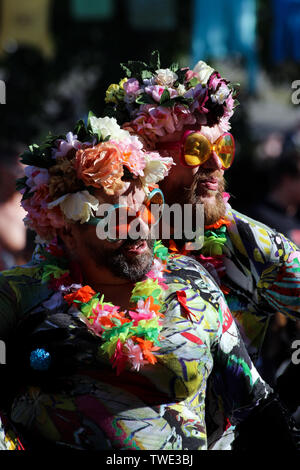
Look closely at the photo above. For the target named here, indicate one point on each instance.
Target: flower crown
(152, 102)
(64, 171)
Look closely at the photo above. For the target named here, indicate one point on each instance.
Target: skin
(95, 256)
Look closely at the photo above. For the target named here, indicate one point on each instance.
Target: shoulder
(21, 289)
(256, 240)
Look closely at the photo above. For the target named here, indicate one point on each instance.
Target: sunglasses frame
(96, 220)
(179, 145)
(184, 138)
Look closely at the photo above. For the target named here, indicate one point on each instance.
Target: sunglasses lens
(225, 150)
(196, 149)
(153, 207)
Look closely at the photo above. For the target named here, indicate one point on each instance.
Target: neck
(115, 289)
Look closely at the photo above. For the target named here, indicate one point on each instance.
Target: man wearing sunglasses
(186, 114)
(110, 339)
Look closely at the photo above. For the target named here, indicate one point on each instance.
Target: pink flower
(132, 86)
(163, 120)
(39, 218)
(64, 146)
(155, 91)
(199, 94)
(226, 197)
(135, 354)
(36, 177)
(157, 269)
(143, 311)
(182, 116)
(132, 155)
(119, 359)
(189, 75)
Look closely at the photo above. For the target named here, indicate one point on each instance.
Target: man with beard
(110, 339)
(186, 114)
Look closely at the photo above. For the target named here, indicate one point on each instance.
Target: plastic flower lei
(63, 172)
(129, 338)
(152, 102)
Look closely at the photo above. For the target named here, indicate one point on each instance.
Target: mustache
(130, 242)
(205, 175)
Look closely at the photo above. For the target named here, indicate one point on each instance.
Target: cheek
(180, 176)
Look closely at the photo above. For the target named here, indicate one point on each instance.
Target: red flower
(84, 294)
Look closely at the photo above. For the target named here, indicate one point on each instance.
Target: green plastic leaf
(144, 98)
(146, 74)
(193, 82)
(155, 60)
(21, 183)
(174, 67)
(165, 97)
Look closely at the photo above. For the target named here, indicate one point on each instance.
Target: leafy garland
(129, 338)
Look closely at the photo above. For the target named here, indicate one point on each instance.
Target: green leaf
(21, 183)
(146, 74)
(181, 75)
(27, 195)
(193, 82)
(165, 97)
(145, 99)
(174, 67)
(126, 70)
(83, 132)
(91, 114)
(155, 60)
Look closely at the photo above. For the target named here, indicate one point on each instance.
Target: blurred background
(57, 58)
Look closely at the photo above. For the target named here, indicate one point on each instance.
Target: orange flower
(217, 224)
(100, 166)
(146, 347)
(84, 294)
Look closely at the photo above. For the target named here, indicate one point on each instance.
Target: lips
(136, 248)
(211, 183)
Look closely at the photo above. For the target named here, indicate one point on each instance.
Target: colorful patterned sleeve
(269, 263)
(237, 383)
(234, 387)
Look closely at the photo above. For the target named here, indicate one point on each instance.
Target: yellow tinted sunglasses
(196, 148)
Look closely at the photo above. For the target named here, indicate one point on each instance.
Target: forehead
(211, 133)
(131, 191)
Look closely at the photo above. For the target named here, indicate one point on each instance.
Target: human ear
(68, 235)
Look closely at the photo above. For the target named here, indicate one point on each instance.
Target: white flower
(165, 77)
(181, 89)
(77, 206)
(108, 127)
(204, 71)
(156, 168)
(221, 94)
(36, 177)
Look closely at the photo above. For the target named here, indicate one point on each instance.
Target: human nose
(213, 162)
(138, 228)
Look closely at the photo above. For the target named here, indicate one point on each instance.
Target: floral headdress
(152, 102)
(64, 171)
